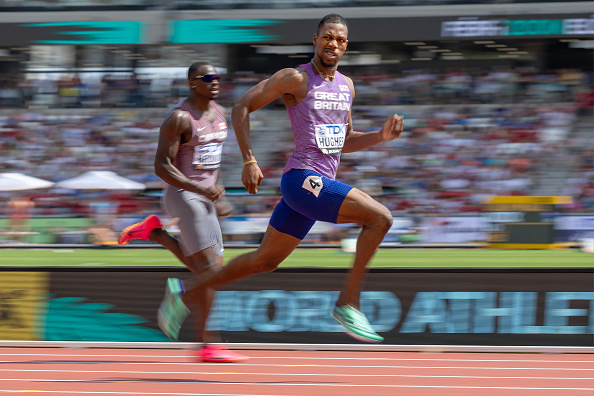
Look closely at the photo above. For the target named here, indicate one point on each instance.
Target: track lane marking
(289, 374)
(307, 358)
(335, 385)
(320, 365)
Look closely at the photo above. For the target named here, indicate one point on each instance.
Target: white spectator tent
(100, 180)
(12, 181)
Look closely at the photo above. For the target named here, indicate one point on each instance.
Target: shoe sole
(171, 287)
(125, 232)
(355, 335)
(238, 358)
(214, 360)
(161, 319)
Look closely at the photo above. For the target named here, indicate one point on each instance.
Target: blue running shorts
(307, 196)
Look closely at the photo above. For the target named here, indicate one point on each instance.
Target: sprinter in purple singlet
(318, 99)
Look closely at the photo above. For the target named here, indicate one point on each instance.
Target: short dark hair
(332, 18)
(195, 66)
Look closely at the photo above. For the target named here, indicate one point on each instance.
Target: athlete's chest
(207, 141)
(333, 97)
(209, 131)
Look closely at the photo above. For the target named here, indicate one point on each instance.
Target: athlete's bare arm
(289, 83)
(355, 141)
(223, 206)
(172, 132)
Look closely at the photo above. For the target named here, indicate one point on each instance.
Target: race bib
(207, 157)
(330, 137)
(313, 184)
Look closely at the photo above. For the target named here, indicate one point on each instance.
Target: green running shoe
(355, 324)
(172, 312)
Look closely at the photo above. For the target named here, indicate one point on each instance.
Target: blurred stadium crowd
(469, 134)
(53, 5)
(412, 87)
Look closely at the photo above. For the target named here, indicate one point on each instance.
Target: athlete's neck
(201, 106)
(329, 77)
(203, 110)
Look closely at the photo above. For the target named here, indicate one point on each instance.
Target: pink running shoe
(218, 354)
(140, 230)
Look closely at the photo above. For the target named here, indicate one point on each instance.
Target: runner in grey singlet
(187, 159)
(198, 159)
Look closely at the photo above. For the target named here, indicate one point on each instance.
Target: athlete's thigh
(313, 195)
(276, 245)
(358, 207)
(287, 220)
(198, 222)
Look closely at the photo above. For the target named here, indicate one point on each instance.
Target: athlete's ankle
(153, 234)
(340, 304)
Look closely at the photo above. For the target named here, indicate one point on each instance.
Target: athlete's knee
(199, 267)
(383, 219)
(204, 261)
(268, 264)
(266, 261)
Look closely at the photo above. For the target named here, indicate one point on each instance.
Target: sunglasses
(207, 78)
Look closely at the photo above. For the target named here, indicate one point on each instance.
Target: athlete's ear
(315, 39)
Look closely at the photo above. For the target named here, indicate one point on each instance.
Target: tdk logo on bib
(330, 137)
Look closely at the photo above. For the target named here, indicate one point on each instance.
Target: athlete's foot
(172, 312)
(355, 323)
(140, 230)
(218, 354)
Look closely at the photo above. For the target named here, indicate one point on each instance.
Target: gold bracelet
(249, 162)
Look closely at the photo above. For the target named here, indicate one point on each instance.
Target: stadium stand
(473, 130)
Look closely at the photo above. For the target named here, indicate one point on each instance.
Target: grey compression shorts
(198, 220)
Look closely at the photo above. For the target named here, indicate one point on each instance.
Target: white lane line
(261, 384)
(194, 364)
(285, 374)
(591, 361)
(126, 346)
(129, 393)
(309, 358)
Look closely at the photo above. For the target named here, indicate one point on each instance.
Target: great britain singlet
(320, 122)
(200, 158)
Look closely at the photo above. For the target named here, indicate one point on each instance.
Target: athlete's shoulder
(347, 78)
(176, 118)
(288, 73)
(349, 82)
(178, 114)
(179, 110)
(288, 81)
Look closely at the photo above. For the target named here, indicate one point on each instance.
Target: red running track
(165, 372)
